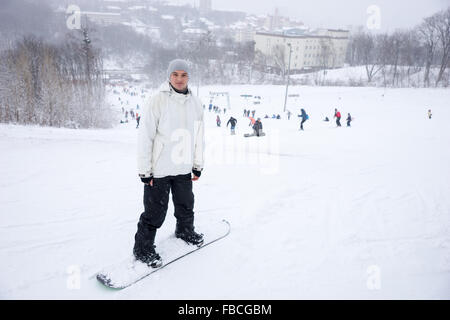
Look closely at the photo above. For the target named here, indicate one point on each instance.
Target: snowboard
(129, 271)
(254, 135)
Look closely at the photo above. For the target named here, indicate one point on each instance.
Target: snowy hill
(360, 212)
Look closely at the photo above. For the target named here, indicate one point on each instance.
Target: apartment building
(323, 48)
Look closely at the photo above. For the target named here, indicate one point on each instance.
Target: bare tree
(279, 59)
(260, 61)
(48, 85)
(442, 26)
(260, 64)
(200, 52)
(352, 56)
(411, 54)
(429, 37)
(246, 57)
(368, 53)
(156, 67)
(395, 41)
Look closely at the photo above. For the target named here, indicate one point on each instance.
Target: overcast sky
(338, 13)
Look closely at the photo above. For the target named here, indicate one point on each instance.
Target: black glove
(196, 173)
(147, 180)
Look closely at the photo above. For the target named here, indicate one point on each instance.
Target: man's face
(179, 79)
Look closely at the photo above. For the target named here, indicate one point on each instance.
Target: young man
(170, 147)
(233, 122)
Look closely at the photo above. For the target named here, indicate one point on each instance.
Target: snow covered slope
(360, 212)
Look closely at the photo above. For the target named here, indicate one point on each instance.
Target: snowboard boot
(188, 234)
(151, 258)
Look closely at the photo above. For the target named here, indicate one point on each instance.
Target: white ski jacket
(171, 134)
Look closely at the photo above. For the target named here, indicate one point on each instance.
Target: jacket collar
(167, 88)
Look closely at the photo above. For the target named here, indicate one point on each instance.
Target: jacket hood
(166, 88)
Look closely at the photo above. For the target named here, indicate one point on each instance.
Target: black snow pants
(156, 200)
(301, 124)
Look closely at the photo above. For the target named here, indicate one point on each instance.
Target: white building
(324, 48)
(243, 31)
(193, 35)
(244, 35)
(103, 18)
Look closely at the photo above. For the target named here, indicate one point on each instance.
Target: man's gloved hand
(197, 174)
(148, 180)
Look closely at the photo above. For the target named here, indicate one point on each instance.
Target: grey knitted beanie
(178, 64)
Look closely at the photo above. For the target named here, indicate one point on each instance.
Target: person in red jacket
(138, 118)
(337, 115)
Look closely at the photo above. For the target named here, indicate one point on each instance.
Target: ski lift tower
(213, 94)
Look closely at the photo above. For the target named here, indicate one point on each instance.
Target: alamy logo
(74, 277)
(181, 152)
(74, 19)
(373, 277)
(374, 19)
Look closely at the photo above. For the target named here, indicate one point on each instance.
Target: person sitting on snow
(257, 127)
